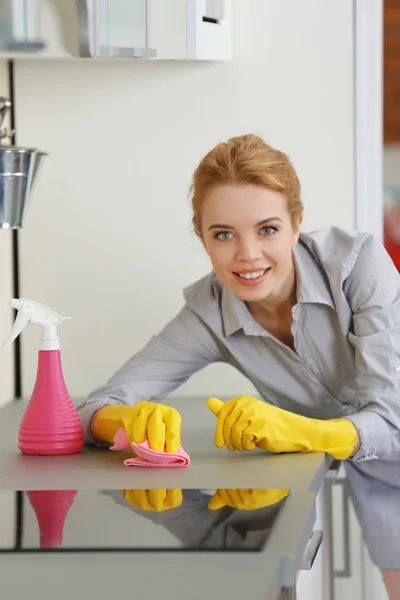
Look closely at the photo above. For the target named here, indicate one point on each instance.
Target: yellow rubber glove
(245, 422)
(246, 499)
(153, 500)
(159, 424)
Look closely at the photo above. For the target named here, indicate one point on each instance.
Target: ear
(297, 230)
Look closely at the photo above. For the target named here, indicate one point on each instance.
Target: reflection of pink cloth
(146, 457)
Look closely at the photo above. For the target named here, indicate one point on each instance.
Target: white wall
(108, 238)
(6, 318)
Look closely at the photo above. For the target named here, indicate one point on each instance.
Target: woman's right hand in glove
(157, 423)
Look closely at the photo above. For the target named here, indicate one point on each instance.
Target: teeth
(252, 275)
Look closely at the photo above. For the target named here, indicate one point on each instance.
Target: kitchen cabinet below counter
(98, 480)
(91, 538)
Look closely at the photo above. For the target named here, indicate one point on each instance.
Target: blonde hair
(244, 160)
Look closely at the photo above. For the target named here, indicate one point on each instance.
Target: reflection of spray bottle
(51, 508)
(51, 423)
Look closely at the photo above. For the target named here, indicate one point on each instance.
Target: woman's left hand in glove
(245, 422)
(246, 499)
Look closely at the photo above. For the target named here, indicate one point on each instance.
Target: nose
(248, 251)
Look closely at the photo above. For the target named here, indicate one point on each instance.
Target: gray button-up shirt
(346, 330)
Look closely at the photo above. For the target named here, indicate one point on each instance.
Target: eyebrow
(263, 222)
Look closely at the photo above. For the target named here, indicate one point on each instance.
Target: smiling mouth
(252, 275)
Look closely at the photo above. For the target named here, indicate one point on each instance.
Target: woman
(312, 320)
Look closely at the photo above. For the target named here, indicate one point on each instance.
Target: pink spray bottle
(50, 424)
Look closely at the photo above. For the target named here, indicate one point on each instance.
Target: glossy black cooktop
(137, 520)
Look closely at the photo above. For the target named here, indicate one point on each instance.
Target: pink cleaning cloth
(146, 457)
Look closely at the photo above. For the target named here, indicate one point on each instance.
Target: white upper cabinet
(208, 30)
(20, 26)
(110, 28)
(98, 29)
(191, 29)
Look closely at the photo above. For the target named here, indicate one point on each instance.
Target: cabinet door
(348, 546)
(342, 568)
(20, 26)
(122, 26)
(352, 572)
(310, 584)
(209, 29)
(115, 28)
(191, 29)
(126, 23)
(167, 28)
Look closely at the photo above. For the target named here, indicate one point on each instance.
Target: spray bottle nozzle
(34, 313)
(16, 303)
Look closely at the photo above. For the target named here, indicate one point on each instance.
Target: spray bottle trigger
(20, 322)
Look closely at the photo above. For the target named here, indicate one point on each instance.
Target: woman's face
(249, 236)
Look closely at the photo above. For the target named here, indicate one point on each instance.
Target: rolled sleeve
(86, 411)
(374, 433)
(373, 290)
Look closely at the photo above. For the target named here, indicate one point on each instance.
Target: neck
(281, 304)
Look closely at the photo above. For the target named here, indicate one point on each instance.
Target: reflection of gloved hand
(246, 499)
(153, 500)
(159, 424)
(245, 422)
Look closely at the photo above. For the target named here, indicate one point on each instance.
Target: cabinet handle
(311, 551)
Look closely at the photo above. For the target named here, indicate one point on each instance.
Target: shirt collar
(312, 282)
(232, 311)
(312, 287)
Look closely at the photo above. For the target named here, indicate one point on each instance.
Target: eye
(223, 235)
(269, 230)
